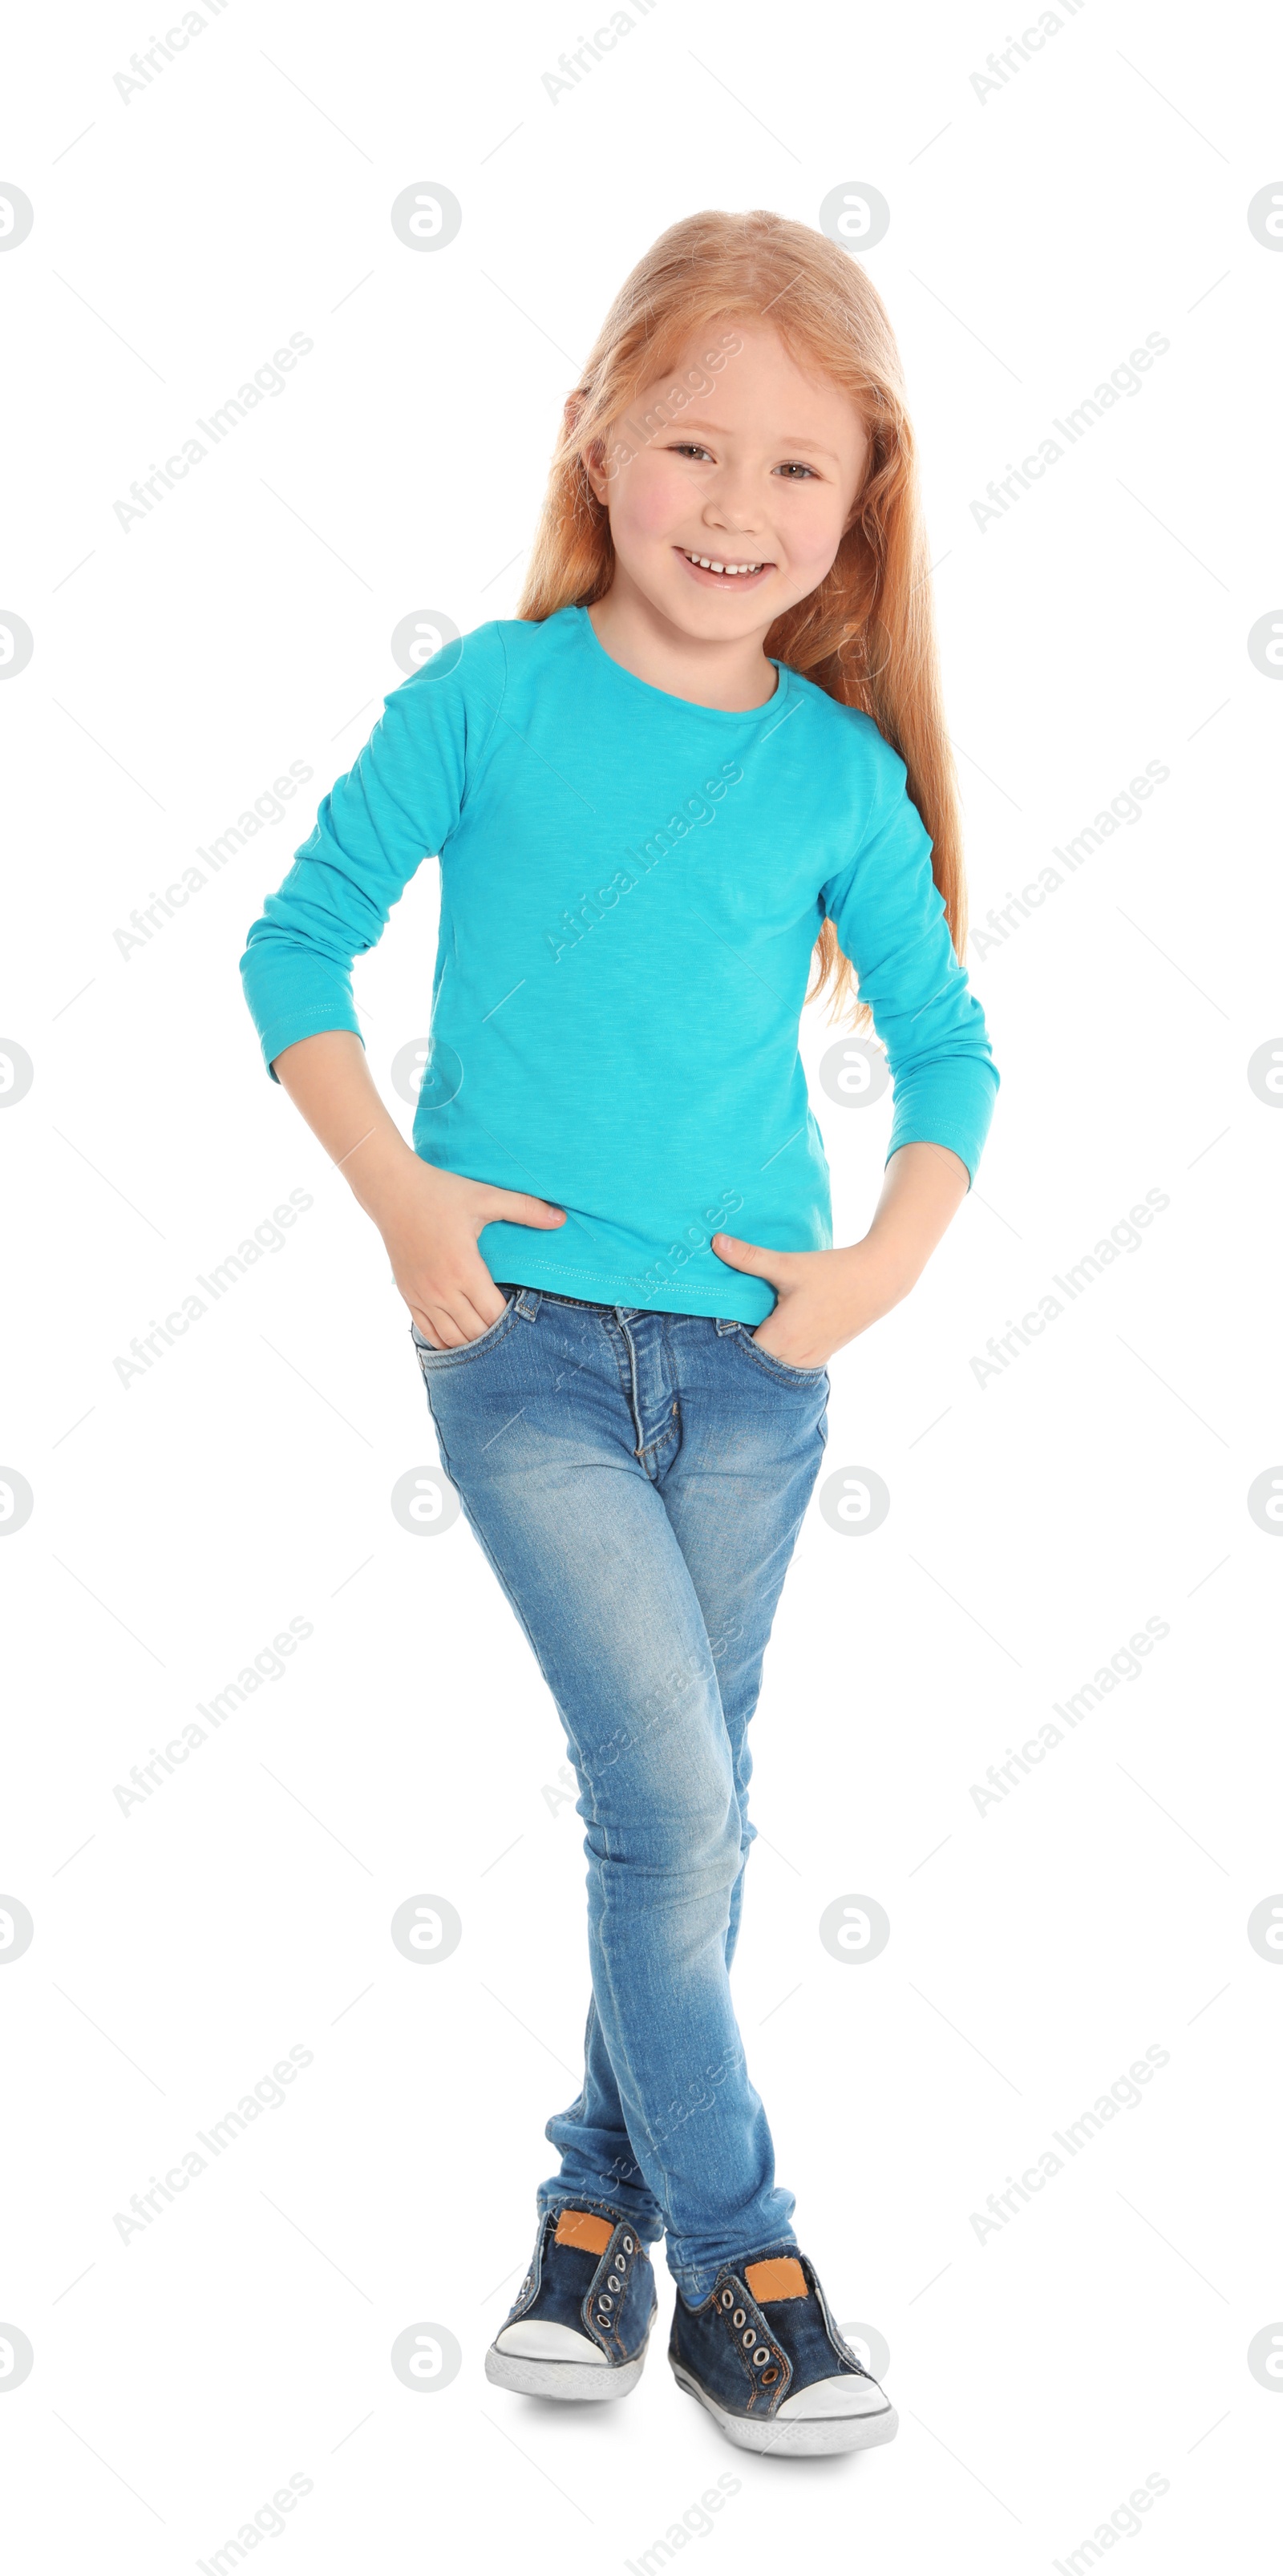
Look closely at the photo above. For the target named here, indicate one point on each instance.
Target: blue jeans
(637, 1481)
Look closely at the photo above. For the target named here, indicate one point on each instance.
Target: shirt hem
(960, 1142)
(280, 1034)
(633, 1292)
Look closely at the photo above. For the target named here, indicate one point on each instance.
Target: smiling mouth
(725, 571)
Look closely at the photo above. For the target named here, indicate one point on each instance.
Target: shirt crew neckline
(667, 698)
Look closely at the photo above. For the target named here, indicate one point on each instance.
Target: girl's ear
(593, 458)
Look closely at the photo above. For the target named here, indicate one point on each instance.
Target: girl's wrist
(377, 1168)
(893, 1264)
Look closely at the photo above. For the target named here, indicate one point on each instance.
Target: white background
(1100, 2336)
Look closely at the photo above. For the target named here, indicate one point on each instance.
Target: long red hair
(867, 633)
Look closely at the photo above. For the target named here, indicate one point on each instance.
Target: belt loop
(528, 1300)
(728, 1323)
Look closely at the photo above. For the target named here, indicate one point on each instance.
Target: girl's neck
(734, 676)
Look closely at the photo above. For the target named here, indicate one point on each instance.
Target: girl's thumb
(519, 1209)
(747, 1256)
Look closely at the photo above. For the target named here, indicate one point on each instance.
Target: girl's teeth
(707, 566)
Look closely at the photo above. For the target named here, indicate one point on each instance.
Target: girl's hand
(822, 1300)
(430, 1221)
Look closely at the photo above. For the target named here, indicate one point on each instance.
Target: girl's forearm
(924, 1187)
(431, 1220)
(329, 1081)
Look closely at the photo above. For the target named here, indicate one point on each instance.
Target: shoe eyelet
(728, 2298)
(628, 2245)
(768, 2376)
(747, 2339)
(603, 2301)
(760, 2358)
(738, 2318)
(614, 2283)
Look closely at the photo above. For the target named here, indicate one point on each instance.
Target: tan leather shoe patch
(591, 2235)
(780, 2277)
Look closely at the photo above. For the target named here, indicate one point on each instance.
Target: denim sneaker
(579, 2324)
(764, 2356)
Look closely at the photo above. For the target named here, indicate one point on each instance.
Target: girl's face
(733, 457)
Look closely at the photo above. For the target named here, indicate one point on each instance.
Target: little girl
(708, 752)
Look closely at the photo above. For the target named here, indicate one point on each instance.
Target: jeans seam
(781, 1370)
(650, 2142)
(460, 1352)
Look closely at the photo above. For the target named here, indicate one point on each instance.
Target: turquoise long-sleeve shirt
(631, 889)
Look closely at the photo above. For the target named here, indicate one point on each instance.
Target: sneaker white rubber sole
(798, 2437)
(567, 2379)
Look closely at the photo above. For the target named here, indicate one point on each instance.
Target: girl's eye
(687, 447)
(795, 468)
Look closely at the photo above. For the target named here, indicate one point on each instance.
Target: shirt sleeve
(395, 807)
(890, 920)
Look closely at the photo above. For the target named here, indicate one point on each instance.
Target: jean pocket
(431, 1359)
(781, 1370)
